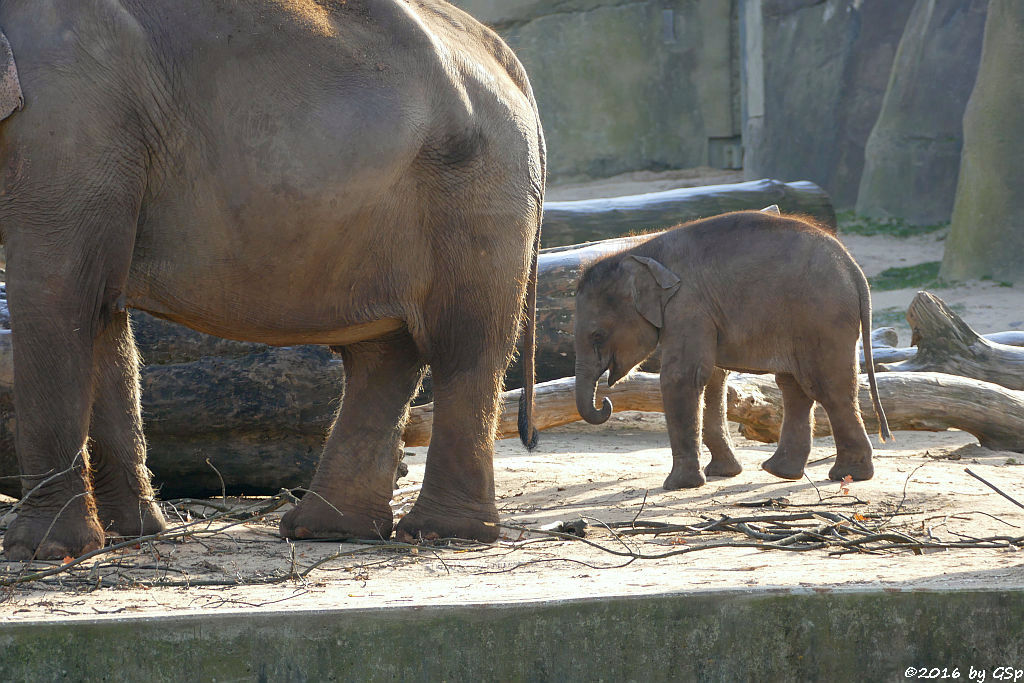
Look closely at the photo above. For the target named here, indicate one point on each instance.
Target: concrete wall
(730, 636)
(789, 89)
(987, 236)
(815, 73)
(623, 85)
(912, 158)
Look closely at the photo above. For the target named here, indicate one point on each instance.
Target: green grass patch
(1001, 283)
(852, 223)
(921, 276)
(889, 317)
(896, 316)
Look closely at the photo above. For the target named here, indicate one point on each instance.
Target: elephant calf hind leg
(853, 448)
(790, 457)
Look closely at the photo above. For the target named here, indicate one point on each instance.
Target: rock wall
(626, 85)
(815, 73)
(787, 89)
(987, 237)
(912, 159)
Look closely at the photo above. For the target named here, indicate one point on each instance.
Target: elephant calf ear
(651, 281)
(11, 97)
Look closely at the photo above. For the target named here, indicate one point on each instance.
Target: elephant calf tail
(865, 331)
(527, 429)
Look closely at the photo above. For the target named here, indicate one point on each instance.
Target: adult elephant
(366, 174)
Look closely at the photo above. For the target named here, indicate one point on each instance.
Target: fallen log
(945, 343)
(915, 401)
(260, 420)
(921, 401)
(895, 354)
(573, 222)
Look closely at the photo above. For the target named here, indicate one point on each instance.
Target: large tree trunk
(945, 343)
(887, 354)
(574, 222)
(987, 237)
(924, 401)
(919, 401)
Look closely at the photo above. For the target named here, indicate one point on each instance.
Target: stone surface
(815, 76)
(729, 636)
(987, 237)
(621, 85)
(912, 158)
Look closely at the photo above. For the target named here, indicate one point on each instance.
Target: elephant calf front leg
(716, 428)
(350, 496)
(681, 390)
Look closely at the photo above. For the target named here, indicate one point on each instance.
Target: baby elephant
(747, 291)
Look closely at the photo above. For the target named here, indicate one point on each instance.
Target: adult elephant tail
(528, 433)
(527, 428)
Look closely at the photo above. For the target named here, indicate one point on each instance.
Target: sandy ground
(611, 473)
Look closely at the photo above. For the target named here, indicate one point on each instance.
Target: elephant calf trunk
(586, 392)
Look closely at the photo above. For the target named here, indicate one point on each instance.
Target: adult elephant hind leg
(794, 448)
(457, 498)
(121, 483)
(470, 348)
(716, 429)
(350, 496)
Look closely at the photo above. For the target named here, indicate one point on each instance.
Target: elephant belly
(303, 273)
(756, 354)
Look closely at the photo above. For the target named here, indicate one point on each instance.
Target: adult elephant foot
(130, 519)
(316, 517)
(35, 534)
(428, 521)
(723, 467)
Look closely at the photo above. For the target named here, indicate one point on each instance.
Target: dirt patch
(602, 475)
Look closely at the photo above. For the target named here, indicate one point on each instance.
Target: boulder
(624, 86)
(912, 158)
(815, 74)
(987, 236)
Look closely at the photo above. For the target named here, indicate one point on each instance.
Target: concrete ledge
(730, 636)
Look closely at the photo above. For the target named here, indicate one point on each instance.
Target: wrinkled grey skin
(746, 291)
(365, 174)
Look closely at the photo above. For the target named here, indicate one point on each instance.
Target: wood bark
(573, 222)
(945, 343)
(916, 401)
(922, 401)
